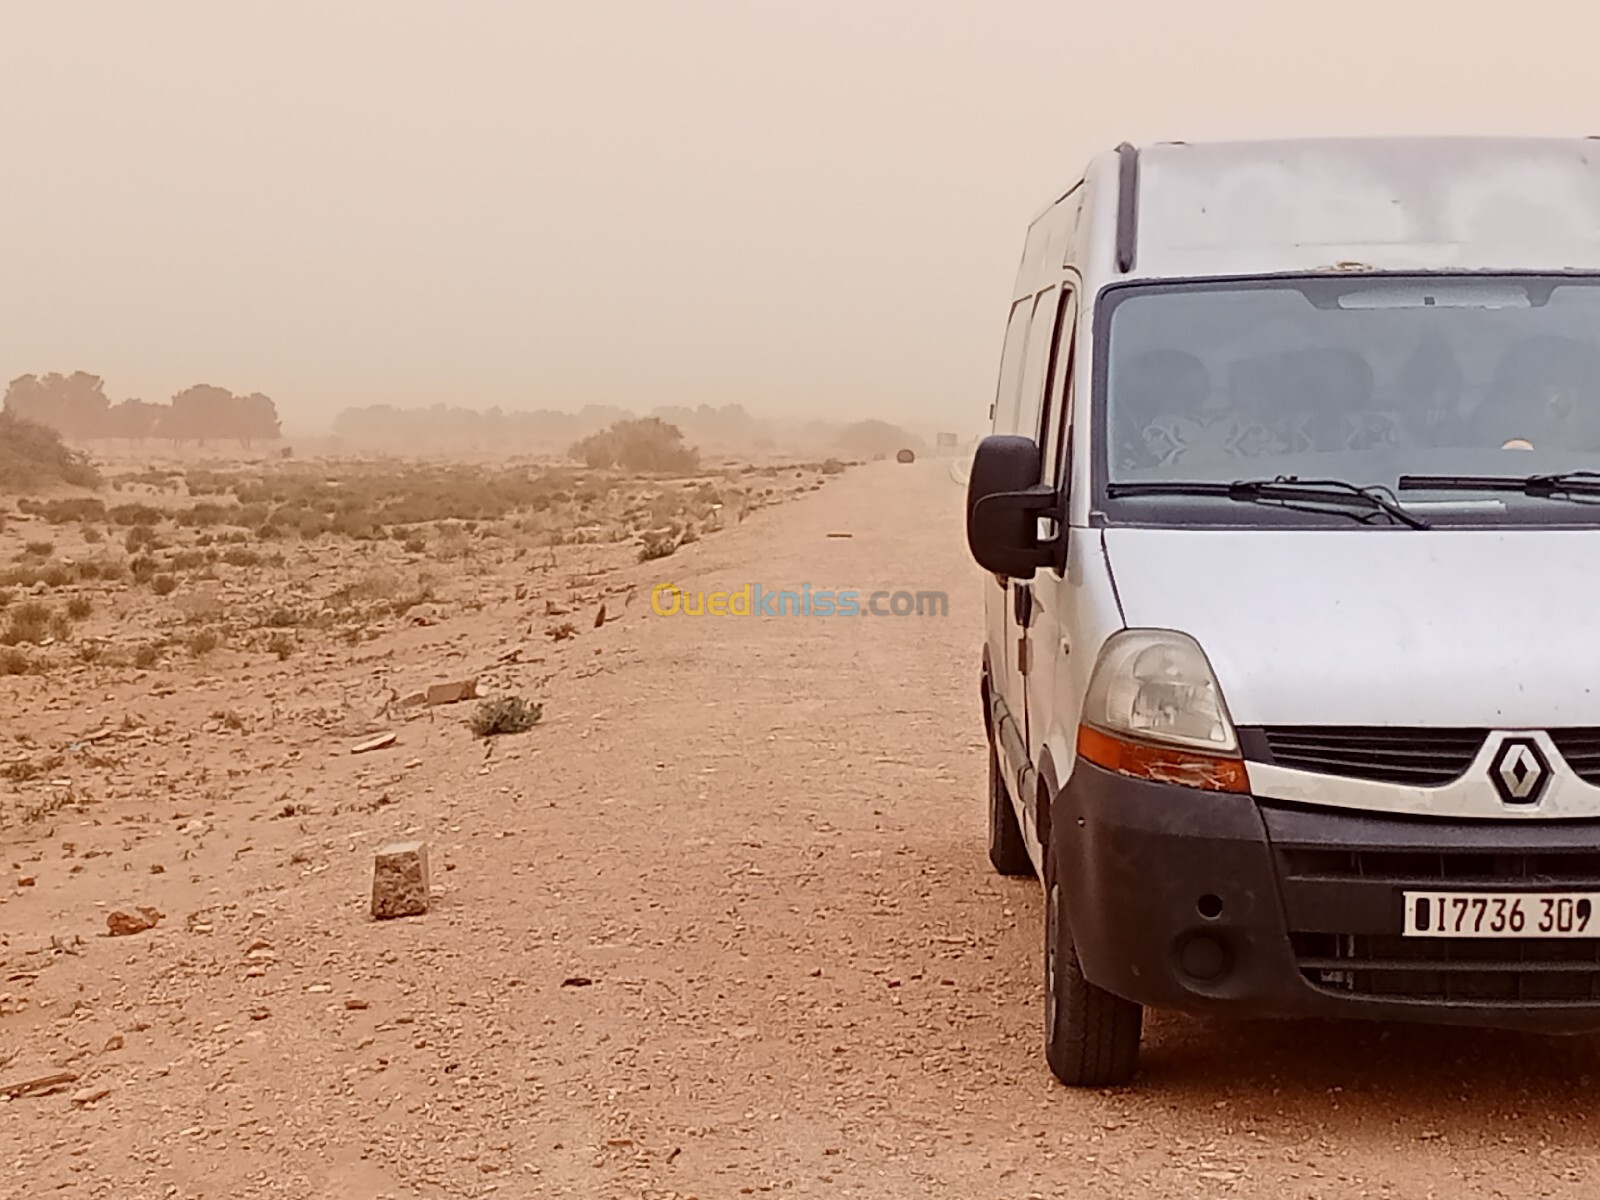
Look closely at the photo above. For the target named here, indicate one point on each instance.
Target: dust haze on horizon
(813, 210)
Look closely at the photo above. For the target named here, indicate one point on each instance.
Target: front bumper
(1210, 902)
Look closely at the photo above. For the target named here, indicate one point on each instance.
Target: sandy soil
(720, 925)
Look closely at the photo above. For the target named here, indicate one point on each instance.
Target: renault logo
(1519, 771)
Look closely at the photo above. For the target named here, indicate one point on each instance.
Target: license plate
(1502, 914)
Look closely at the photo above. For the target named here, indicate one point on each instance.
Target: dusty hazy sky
(807, 207)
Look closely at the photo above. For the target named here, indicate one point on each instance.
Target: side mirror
(1004, 503)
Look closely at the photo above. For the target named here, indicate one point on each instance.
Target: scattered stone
(26, 881)
(452, 693)
(114, 1042)
(381, 742)
(355, 1003)
(260, 1014)
(577, 981)
(39, 1086)
(400, 880)
(90, 1095)
(412, 699)
(122, 924)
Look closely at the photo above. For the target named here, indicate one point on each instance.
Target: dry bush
(237, 556)
(72, 508)
(510, 714)
(60, 627)
(202, 642)
(658, 543)
(146, 656)
(637, 444)
(186, 560)
(34, 456)
(281, 617)
(414, 545)
(134, 514)
(200, 515)
(79, 607)
(92, 535)
(6, 597)
(163, 585)
(140, 537)
(14, 662)
(142, 568)
(27, 622)
(282, 644)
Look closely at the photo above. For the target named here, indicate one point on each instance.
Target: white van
(1292, 509)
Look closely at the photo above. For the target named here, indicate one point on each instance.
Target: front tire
(1008, 853)
(1091, 1036)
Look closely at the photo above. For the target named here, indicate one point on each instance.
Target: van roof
(1387, 204)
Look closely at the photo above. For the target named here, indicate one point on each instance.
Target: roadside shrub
(237, 556)
(73, 508)
(658, 544)
(14, 662)
(202, 642)
(27, 622)
(637, 444)
(163, 585)
(33, 455)
(140, 537)
(510, 714)
(142, 568)
(38, 549)
(79, 607)
(134, 514)
(146, 657)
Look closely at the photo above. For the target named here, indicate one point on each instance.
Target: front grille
(1387, 754)
(1501, 971)
(1578, 870)
(1581, 749)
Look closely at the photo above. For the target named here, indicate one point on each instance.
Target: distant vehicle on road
(1292, 511)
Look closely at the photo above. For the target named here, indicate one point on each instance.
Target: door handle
(1022, 604)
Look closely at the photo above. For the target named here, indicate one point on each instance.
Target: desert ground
(719, 924)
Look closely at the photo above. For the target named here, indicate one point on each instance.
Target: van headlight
(1154, 711)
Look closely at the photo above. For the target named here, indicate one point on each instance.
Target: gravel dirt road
(721, 926)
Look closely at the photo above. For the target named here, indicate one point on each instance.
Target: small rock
(114, 1042)
(400, 880)
(381, 742)
(453, 692)
(122, 924)
(355, 1003)
(577, 981)
(26, 881)
(260, 1014)
(90, 1095)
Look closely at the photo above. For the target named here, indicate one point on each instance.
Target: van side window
(1057, 415)
(1030, 397)
(1005, 399)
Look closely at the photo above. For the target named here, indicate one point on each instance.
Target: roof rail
(1127, 205)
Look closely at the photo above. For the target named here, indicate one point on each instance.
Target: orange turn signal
(1162, 764)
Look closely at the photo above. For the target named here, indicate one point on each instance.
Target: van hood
(1476, 628)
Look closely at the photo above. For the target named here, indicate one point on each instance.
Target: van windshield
(1357, 379)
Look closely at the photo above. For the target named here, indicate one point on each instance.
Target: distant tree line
(448, 425)
(77, 407)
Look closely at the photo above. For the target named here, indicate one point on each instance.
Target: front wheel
(1091, 1036)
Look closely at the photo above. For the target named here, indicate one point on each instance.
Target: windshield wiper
(1570, 484)
(1288, 490)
